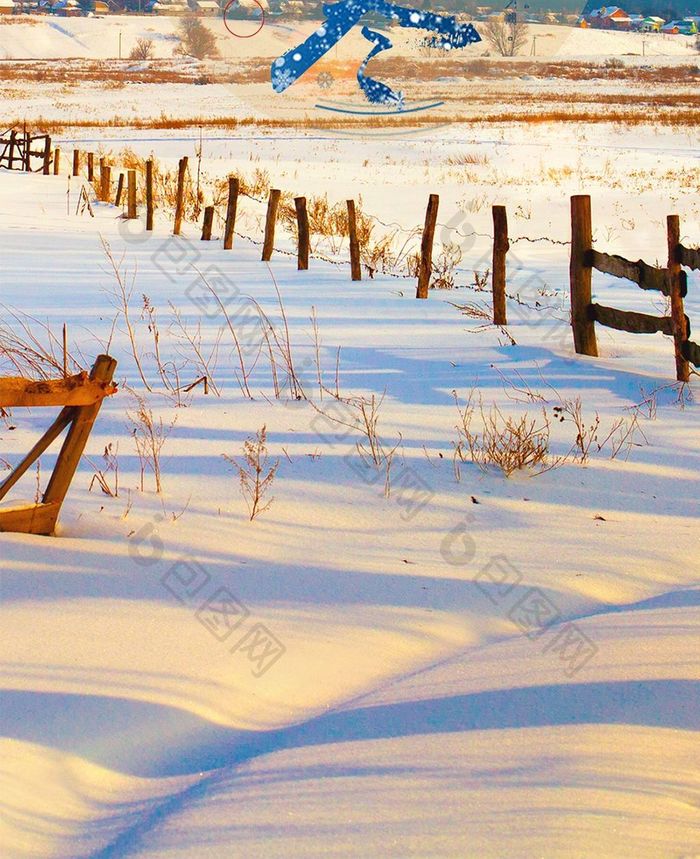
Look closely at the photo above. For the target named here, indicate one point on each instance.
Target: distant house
(100, 7)
(652, 24)
(7, 7)
(683, 28)
(609, 18)
(636, 21)
(209, 8)
(169, 7)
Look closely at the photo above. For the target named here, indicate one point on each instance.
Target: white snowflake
(281, 79)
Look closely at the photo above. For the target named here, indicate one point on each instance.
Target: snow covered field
(430, 661)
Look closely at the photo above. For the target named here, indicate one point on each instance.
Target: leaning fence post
(231, 207)
(56, 161)
(270, 221)
(131, 194)
(580, 273)
(90, 166)
(120, 190)
(302, 233)
(47, 156)
(355, 267)
(680, 327)
(149, 194)
(208, 222)
(498, 277)
(180, 200)
(426, 249)
(76, 162)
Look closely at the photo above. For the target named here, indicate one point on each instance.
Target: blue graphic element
(341, 17)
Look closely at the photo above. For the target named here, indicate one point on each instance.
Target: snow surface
(408, 715)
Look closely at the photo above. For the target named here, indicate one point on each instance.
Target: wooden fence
(19, 150)
(670, 281)
(81, 397)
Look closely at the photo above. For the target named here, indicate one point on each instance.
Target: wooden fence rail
(670, 281)
(81, 397)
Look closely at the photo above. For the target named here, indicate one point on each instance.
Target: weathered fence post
(355, 267)
(11, 154)
(231, 208)
(120, 190)
(76, 162)
(426, 249)
(208, 222)
(302, 233)
(78, 434)
(105, 180)
(56, 161)
(680, 328)
(131, 195)
(580, 272)
(91, 166)
(149, 194)
(498, 277)
(27, 152)
(180, 200)
(270, 221)
(47, 156)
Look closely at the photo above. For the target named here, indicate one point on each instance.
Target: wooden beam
(355, 263)
(73, 391)
(270, 222)
(629, 320)
(689, 257)
(691, 352)
(52, 433)
(78, 434)
(498, 267)
(585, 342)
(231, 208)
(30, 519)
(425, 269)
(645, 276)
(680, 329)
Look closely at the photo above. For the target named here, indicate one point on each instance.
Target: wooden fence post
(27, 152)
(105, 181)
(426, 249)
(580, 272)
(77, 437)
(47, 156)
(498, 277)
(355, 267)
(76, 162)
(208, 222)
(231, 208)
(131, 195)
(120, 190)
(302, 233)
(180, 201)
(91, 166)
(56, 161)
(11, 154)
(149, 194)
(270, 221)
(680, 328)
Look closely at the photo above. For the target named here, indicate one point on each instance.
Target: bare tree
(142, 50)
(507, 36)
(196, 39)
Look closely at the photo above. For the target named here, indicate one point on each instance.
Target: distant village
(615, 18)
(604, 18)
